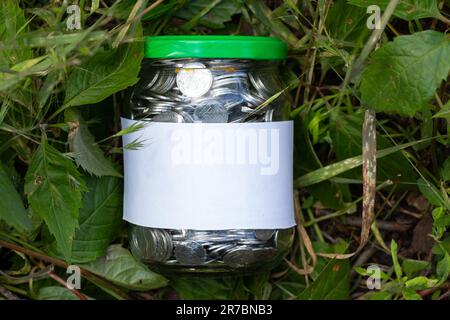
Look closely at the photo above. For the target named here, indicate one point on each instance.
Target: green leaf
(411, 295)
(331, 278)
(12, 26)
(420, 283)
(377, 295)
(441, 220)
(53, 186)
(20, 71)
(305, 161)
(406, 9)
(442, 247)
(397, 268)
(365, 272)
(12, 210)
(104, 74)
(411, 267)
(100, 219)
(404, 74)
(443, 268)
(346, 22)
(204, 288)
(121, 268)
(332, 283)
(57, 293)
(86, 152)
(444, 113)
(446, 170)
(432, 193)
(361, 271)
(212, 14)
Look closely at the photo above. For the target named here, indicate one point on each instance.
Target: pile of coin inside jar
(207, 91)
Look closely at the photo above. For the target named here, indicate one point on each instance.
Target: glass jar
(210, 79)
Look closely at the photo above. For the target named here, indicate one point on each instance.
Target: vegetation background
(363, 101)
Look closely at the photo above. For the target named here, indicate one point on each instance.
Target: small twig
(8, 294)
(410, 213)
(32, 275)
(445, 295)
(384, 225)
(427, 292)
(59, 263)
(64, 283)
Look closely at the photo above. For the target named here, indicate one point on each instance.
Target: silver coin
(265, 85)
(169, 116)
(211, 112)
(179, 234)
(164, 244)
(194, 79)
(264, 234)
(269, 115)
(283, 238)
(165, 82)
(252, 99)
(190, 253)
(216, 251)
(239, 257)
(157, 244)
(152, 81)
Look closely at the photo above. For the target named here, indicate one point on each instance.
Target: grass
(371, 181)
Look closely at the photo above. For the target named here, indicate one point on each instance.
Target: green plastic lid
(226, 47)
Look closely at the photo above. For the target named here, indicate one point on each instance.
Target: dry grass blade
(304, 240)
(369, 152)
(134, 16)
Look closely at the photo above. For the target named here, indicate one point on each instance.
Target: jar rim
(215, 46)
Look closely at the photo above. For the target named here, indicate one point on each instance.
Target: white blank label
(209, 176)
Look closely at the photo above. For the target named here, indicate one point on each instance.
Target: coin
(217, 250)
(268, 116)
(157, 243)
(168, 116)
(283, 238)
(194, 79)
(190, 253)
(164, 244)
(264, 234)
(239, 257)
(211, 111)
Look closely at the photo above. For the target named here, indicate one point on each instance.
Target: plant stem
(62, 264)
